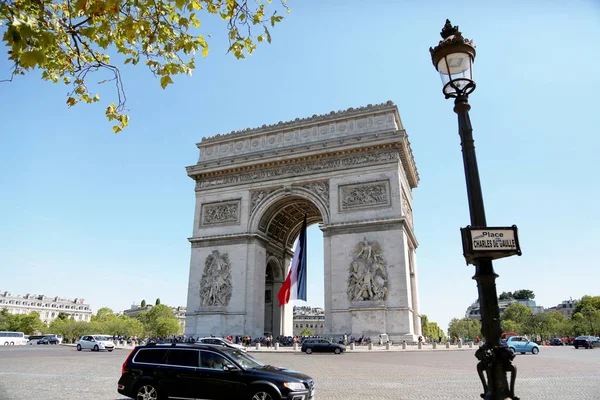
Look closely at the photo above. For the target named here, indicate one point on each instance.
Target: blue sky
(86, 213)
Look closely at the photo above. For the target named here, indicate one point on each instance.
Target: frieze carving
(221, 213)
(297, 169)
(215, 285)
(368, 277)
(257, 196)
(364, 195)
(321, 189)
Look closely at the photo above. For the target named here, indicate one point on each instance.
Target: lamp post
(453, 58)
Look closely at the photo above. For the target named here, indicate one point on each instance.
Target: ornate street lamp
(453, 58)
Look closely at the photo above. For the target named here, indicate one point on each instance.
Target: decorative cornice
(300, 121)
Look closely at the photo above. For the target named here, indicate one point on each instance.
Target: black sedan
(322, 346)
(48, 340)
(556, 342)
(589, 342)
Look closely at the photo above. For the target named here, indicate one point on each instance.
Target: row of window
(311, 326)
(20, 303)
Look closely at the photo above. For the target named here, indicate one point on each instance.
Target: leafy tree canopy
(517, 313)
(587, 302)
(143, 303)
(523, 294)
(69, 40)
(506, 296)
(431, 329)
(157, 302)
(464, 328)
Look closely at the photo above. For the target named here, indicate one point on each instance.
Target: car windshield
(244, 359)
(103, 338)
(581, 338)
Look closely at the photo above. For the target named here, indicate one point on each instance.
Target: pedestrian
(380, 341)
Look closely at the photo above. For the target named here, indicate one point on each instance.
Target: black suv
(322, 346)
(192, 371)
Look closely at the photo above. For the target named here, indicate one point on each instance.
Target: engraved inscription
(365, 195)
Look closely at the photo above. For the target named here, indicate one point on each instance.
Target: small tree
(524, 294)
(62, 315)
(157, 302)
(506, 296)
(143, 304)
(307, 332)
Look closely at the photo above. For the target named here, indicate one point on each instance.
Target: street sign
(489, 242)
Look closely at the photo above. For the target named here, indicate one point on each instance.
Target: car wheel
(147, 391)
(78, 347)
(587, 346)
(96, 348)
(576, 347)
(263, 394)
(337, 351)
(308, 350)
(535, 350)
(12, 343)
(512, 350)
(6, 343)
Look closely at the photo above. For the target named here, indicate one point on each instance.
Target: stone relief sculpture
(321, 189)
(364, 195)
(257, 196)
(215, 285)
(220, 213)
(368, 278)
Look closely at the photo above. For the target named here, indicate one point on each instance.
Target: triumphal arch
(352, 172)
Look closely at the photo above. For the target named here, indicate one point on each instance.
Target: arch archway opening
(281, 224)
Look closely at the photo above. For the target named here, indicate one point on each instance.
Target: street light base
(496, 362)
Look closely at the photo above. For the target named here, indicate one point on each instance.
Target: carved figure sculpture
(368, 278)
(215, 285)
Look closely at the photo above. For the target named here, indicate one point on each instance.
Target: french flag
(294, 287)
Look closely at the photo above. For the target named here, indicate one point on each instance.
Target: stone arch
(351, 171)
(266, 212)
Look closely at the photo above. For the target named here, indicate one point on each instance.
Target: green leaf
(32, 58)
(165, 81)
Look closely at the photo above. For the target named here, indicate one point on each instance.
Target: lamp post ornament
(453, 58)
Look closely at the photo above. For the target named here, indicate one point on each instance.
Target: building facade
(353, 173)
(312, 318)
(473, 311)
(135, 310)
(566, 308)
(47, 307)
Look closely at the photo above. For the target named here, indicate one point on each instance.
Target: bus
(12, 338)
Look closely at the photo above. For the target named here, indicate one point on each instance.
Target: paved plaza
(60, 372)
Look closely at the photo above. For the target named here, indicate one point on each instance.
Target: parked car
(185, 370)
(556, 342)
(589, 342)
(520, 344)
(48, 340)
(322, 346)
(220, 342)
(96, 343)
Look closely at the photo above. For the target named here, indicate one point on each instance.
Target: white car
(96, 343)
(221, 342)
